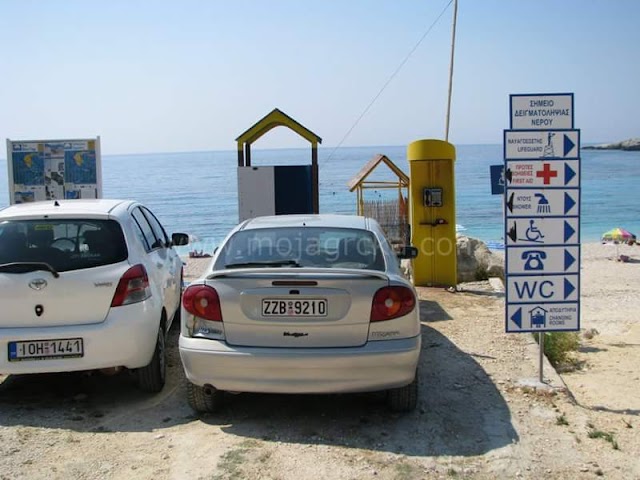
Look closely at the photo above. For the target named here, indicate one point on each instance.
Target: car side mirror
(179, 239)
(407, 252)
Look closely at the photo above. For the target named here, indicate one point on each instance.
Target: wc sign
(541, 176)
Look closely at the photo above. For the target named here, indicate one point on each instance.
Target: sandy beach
(610, 303)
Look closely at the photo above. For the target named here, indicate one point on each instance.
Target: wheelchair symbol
(533, 233)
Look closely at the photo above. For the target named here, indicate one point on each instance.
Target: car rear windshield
(304, 247)
(64, 244)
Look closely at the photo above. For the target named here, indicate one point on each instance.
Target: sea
(196, 192)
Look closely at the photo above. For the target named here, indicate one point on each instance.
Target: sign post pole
(541, 343)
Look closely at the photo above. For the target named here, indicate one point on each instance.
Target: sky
(189, 75)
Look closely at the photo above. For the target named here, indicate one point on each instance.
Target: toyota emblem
(38, 283)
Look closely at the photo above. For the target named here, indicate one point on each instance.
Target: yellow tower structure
(433, 212)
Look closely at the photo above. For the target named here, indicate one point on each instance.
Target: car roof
(308, 220)
(79, 207)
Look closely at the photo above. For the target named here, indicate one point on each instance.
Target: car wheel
(152, 377)
(205, 400)
(403, 399)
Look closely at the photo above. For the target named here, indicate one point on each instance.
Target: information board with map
(54, 169)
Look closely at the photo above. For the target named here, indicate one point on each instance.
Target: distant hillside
(631, 144)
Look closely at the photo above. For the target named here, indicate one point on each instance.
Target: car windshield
(302, 247)
(63, 244)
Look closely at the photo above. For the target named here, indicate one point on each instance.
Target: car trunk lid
(39, 299)
(293, 307)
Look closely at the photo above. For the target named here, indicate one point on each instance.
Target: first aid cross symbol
(546, 173)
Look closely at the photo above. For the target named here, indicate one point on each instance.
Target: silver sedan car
(302, 304)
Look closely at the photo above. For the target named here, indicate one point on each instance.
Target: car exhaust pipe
(209, 390)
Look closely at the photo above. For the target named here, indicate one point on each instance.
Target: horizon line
(181, 152)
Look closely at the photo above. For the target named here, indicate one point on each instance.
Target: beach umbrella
(618, 235)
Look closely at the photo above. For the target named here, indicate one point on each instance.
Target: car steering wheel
(64, 244)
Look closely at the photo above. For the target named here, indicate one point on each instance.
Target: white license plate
(46, 349)
(275, 307)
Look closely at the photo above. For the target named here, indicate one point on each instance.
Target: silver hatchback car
(302, 304)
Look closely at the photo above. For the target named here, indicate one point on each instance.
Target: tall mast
(453, 45)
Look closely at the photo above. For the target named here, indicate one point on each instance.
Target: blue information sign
(497, 179)
(542, 215)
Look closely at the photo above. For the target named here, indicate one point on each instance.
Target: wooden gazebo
(392, 215)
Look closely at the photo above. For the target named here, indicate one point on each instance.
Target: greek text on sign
(542, 231)
(543, 317)
(549, 288)
(542, 144)
(543, 203)
(542, 112)
(533, 260)
(533, 173)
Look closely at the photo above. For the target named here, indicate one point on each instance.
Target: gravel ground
(480, 414)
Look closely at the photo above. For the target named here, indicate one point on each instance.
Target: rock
(476, 261)
(630, 144)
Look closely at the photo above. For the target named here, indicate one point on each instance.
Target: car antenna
(55, 203)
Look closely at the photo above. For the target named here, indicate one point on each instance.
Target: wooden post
(314, 178)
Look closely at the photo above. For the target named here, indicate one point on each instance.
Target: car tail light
(132, 288)
(202, 301)
(392, 302)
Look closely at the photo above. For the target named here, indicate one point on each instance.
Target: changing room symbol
(543, 203)
(548, 148)
(533, 259)
(538, 317)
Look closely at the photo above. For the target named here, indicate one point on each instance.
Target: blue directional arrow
(568, 145)
(568, 203)
(568, 259)
(569, 173)
(517, 318)
(568, 288)
(568, 231)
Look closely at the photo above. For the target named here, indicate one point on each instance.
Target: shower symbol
(543, 203)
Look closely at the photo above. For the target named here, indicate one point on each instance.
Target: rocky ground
(480, 416)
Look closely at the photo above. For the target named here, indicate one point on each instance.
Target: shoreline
(589, 252)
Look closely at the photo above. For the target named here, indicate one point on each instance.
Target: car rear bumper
(375, 366)
(125, 339)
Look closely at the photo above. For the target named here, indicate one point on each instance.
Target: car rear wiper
(267, 263)
(24, 267)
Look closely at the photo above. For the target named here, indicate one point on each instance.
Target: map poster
(54, 169)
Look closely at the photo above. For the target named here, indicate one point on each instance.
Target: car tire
(152, 377)
(203, 400)
(403, 399)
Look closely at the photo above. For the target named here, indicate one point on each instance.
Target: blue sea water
(196, 192)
